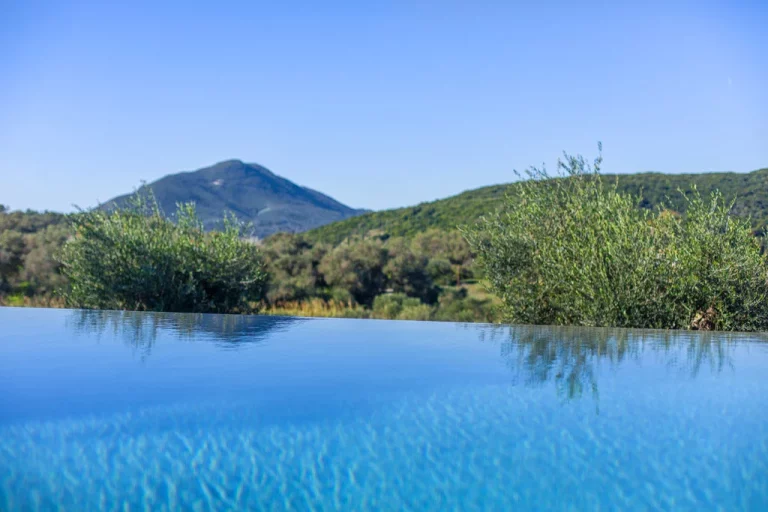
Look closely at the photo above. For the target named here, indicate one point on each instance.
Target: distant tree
(136, 259)
(11, 258)
(407, 272)
(29, 221)
(27, 240)
(41, 271)
(293, 264)
(449, 245)
(357, 267)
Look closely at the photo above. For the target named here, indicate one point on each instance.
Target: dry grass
(31, 302)
(317, 308)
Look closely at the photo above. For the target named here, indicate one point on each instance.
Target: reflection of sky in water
(237, 412)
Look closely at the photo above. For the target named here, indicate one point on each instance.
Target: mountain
(750, 190)
(250, 191)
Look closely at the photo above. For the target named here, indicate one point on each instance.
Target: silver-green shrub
(571, 249)
(137, 259)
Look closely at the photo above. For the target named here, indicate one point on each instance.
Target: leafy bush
(458, 306)
(572, 249)
(340, 295)
(391, 305)
(135, 258)
(416, 312)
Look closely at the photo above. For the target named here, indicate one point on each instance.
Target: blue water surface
(139, 411)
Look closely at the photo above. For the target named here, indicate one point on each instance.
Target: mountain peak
(227, 164)
(250, 191)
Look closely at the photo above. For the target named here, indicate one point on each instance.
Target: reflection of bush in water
(569, 356)
(140, 330)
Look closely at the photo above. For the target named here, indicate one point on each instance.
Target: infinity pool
(133, 411)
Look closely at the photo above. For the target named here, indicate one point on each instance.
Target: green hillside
(749, 189)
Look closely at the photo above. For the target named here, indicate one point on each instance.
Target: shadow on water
(141, 330)
(571, 357)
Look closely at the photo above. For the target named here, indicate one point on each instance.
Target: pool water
(140, 411)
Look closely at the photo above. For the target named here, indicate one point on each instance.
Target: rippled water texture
(130, 411)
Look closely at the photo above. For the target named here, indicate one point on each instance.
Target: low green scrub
(575, 250)
(398, 306)
(452, 306)
(137, 259)
(458, 305)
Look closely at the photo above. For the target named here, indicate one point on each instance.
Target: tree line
(29, 242)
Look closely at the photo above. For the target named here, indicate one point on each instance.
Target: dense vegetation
(135, 258)
(573, 250)
(580, 249)
(28, 244)
(375, 277)
(749, 190)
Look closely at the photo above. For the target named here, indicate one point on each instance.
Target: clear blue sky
(378, 104)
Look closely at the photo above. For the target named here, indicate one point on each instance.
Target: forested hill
(749, 189)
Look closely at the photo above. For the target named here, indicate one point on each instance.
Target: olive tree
(572, 249)
(135, 258)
